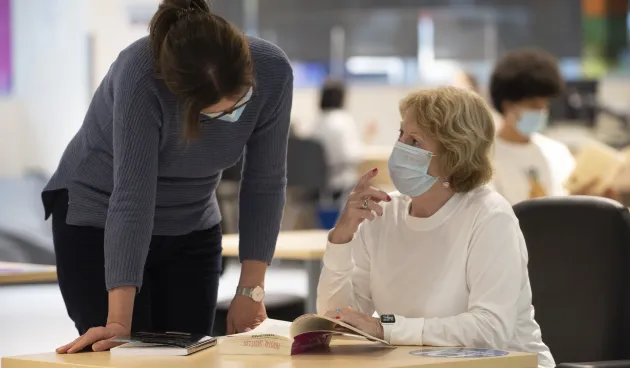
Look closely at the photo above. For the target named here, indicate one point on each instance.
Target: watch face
(258, 294)
(388, 318)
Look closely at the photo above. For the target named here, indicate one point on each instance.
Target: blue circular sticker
(459, 353)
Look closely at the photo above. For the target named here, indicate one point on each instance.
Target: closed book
(162, 344)
(274, 337)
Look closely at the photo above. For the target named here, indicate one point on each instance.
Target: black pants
(181, 277)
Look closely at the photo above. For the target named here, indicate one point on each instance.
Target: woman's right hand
(100, 338)
(119, 316)
(356, 211)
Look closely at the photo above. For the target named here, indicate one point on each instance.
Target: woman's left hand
(244, 315)
(354, 318)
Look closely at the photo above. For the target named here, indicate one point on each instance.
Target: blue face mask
(236, 113)
(532, 121)
(408, 168)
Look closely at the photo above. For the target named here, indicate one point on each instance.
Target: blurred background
(54, 53)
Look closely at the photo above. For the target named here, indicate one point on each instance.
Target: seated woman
(442, 261)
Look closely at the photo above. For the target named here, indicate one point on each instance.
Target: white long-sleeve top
(340, 137)
(457, 278)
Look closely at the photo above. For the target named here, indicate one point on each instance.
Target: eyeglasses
(247, 98)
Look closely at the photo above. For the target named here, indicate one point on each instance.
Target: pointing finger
(365, 179)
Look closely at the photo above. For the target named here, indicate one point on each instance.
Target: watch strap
(243, 291)
(256, 294)
(387, 332)
(388, 321)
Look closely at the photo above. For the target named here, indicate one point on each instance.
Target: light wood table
(343, 354)
(302, 245)
(20, 273)
(305, 245)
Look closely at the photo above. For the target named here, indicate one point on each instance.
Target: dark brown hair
(201, 57)
(332, 95)
(523, 74)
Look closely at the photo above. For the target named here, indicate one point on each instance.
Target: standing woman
(135, 215)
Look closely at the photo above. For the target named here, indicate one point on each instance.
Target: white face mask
(532, 121)
(408, 167)
(236, 113)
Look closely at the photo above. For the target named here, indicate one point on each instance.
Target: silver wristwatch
(257, 293)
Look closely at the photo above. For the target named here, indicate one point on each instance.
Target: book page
(621, 183)
(270, 327)
(313, 322)
(595, 161)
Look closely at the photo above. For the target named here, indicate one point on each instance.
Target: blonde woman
(442, 261)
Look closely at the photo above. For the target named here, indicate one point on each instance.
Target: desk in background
(306, 245)
(20, 273)
(377, 157)
(343, 354)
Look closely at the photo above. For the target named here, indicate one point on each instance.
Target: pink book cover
(309, 341)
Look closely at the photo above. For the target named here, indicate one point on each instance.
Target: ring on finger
(364, 203)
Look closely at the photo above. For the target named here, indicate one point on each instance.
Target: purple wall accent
(5, 47)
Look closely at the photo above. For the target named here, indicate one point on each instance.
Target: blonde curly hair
(461, 123)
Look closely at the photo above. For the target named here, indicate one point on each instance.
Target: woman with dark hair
(135, 215)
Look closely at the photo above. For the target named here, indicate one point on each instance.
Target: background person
(527, 163)
(339, 135)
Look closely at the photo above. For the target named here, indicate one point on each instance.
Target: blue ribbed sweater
(129, 170)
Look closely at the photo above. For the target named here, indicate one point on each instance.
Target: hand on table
(99, 337)
(362, 321)
(356, 211)
(244, 315)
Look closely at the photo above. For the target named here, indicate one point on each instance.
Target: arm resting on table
(345, 277)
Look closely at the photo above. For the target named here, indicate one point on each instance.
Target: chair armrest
(605, 364)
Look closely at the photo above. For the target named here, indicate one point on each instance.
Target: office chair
(306, 165)
(579, 269)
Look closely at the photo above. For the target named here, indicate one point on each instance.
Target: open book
(275, 337)
(595, 162)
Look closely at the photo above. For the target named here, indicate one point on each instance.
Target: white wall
(367, 104)
(14, 154)
(112, 32)
(380, 104)
(50, 51)
(53, 74)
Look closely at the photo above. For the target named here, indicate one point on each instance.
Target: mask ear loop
(445, 183)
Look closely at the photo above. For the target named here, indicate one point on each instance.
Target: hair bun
(183, 12)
